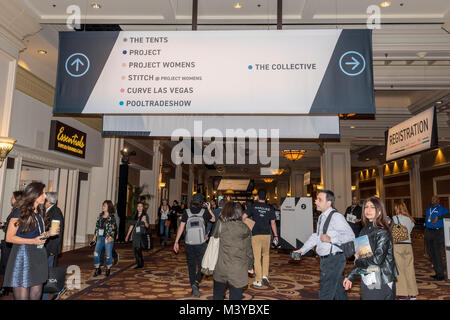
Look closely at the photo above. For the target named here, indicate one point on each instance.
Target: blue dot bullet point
(124, 51)
(121, 103)
(250, 67)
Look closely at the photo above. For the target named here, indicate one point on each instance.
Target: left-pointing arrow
(77, 63)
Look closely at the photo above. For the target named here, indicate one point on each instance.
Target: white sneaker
(257, 284)
(265, 280)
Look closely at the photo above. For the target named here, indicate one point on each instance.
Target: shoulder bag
(399, 232)
(348, 248)
(212, 251)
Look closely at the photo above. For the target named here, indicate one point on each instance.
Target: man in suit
(54, 244)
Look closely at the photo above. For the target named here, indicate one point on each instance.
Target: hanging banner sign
(220, 72)
(413, 135)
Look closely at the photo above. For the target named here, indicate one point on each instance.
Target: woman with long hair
(378, 270)
(105, 232)
(235, 260)
(27, 268)
(163, 214)
(404, 257)
(138, 228)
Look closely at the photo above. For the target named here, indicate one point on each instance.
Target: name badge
(369, 278)
(138, 229)
(101, 232)
(40, 247)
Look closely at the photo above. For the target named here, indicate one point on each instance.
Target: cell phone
(295, 255)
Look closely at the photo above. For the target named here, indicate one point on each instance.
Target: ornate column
(336, 172)
(415, 186)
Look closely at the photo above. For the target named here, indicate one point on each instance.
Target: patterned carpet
(165, 276)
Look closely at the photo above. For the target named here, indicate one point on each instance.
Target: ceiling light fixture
(367, 159)
(385, 4)
(268, 180)
(238, 5)
(293, 155)
(438, 102)
(352, 127)
(42, 51)
(6, 145)
(96, 6)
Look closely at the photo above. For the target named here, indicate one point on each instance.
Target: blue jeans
(101, 243)
(51, 260)
(164, 230)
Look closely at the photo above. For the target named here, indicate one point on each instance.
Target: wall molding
(34, 87)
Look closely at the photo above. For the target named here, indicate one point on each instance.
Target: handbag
(211, 255)
(56, 279)
(399, 232)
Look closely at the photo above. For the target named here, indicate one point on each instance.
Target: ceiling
(411, 52)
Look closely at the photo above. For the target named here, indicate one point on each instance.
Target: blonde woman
(404, 258)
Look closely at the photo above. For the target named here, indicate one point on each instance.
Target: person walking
(353, 216)
(194, 219)
(137, 230)
(378, 269)
(235, 259)
(164, 222)
(105, 231)
(173, 217)
(404, 258)
(216, 212)
(27, 268)
(434, 236)
(6, 246)
(53, 244)
(264, 217)
(332, 259)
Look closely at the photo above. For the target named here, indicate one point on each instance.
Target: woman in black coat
(378, 270)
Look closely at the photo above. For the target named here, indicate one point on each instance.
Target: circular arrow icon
(77, 65)
(352, 63)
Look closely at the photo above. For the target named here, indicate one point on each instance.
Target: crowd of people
(246, 232)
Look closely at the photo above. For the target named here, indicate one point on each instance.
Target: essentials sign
(64, 138)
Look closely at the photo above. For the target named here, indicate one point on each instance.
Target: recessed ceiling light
(96, 6)
(438, 102)
(352, 127)
(381, 154)
(42, 51)
(238, 5)
(385, 4)
(367, 159)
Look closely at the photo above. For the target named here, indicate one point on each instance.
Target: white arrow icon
(355, 63)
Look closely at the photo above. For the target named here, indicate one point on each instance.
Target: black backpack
(348, 248)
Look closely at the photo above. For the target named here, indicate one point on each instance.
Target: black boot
(108, 272)
(97, 272)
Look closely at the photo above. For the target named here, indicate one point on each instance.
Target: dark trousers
(51, 263)
(384, 293)
(114, 256)
(220, 289)
(434, 240)
(194, 255)
(139, 257)
(331, 270)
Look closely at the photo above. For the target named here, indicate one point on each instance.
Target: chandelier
(6, 145)
(268, 180)
(293, 155)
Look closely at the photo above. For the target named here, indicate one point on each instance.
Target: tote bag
(212, 252)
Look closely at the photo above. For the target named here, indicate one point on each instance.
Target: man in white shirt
(332, 259)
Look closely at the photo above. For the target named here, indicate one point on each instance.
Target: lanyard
(39, 225)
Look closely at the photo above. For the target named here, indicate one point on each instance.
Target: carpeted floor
(165, 276)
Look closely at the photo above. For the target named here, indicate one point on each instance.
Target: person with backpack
(138, 227)
(194, 220)
(332, 232)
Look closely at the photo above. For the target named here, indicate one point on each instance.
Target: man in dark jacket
(353, 216)
(54, 244)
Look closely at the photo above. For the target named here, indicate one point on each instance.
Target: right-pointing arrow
(355, 63)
